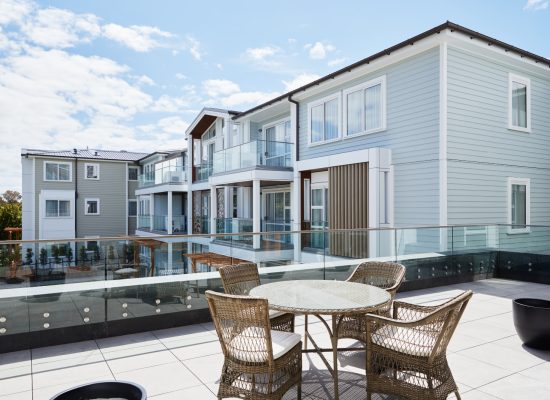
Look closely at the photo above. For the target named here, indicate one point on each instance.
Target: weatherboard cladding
(482, 151)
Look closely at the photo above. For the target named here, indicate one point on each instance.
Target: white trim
(315, 103)
(126, 184)
(275, 123)
(58, 163)
(527, 82)
(443, 164)
(95, 165)
(381, 80)
(527, 183)
(86, 200)
(57, 216)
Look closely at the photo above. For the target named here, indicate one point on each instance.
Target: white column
(256, 215)
(151, 209)
(169, 214)
(296, 210)
(213, 209)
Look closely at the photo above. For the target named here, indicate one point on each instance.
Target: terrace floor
(486, 356)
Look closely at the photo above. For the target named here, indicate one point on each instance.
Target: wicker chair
(385, 275)
(406, 354)
(239, 279)
(259, 363)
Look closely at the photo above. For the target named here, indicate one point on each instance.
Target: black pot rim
(141, 388)
(522, 302)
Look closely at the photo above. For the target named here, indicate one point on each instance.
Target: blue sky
(132, 74)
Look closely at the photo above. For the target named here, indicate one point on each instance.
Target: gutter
(75, 198)
(296, 142)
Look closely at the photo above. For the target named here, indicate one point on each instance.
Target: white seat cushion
(275, 314)
(404, 340)
(255, 347)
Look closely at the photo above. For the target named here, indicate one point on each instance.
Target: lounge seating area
(485, 355)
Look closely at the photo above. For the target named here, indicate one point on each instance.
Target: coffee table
(323, 298)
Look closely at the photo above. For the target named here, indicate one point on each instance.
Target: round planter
(532, 322)
(104, 390)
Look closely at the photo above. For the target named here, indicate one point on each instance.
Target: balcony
(170, 175)
(202, 172)
(262, 153)
(160, 223)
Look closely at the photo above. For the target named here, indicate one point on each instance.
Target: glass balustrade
(251, 154)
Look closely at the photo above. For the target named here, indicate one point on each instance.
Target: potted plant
(55, 254)
(111, 255)
(43, 256)
(83, 259)
(69, 254)
(28, 256)
(4, 261)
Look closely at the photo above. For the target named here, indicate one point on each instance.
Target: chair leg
(457, 395)
(299, 391)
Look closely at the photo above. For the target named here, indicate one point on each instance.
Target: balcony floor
(486, 356)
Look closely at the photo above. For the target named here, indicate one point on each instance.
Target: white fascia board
(200, 186)
(250, 175)
(162, 189)
(202, 114)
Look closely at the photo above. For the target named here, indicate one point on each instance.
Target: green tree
(10, 197)
(10, 217)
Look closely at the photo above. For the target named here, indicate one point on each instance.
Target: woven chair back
(385, 275)
(240, 279)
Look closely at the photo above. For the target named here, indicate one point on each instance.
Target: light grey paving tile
(484, 330)
(181, 332)
(186, 352)
(208, 369)
(18, 396)
(47, 392)
(514, 342)
(161, 379)
(504, 357)
(66, 355)
(144, 360)
(460, 342)
(540, 372)
(70, 374)
(197, 392)
(118, 343)
(518, 387)
(472, 372)
(15, 364)
(477, 395)
(18, 384)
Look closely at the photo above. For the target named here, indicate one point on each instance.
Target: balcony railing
(201, 225)
(252, 154)
(169, 175)
(202, 172)
(161, 223)
(144, 222)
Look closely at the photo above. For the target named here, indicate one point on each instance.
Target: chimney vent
(75, 151)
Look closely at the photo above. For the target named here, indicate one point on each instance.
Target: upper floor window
(210, 133)
(58, 208)
(133, 173)
(519, 208)
(132, 208)
(57, 171)
(519, 103)
(91, 207)
(91, 171)
(364, 107)
(324, 120)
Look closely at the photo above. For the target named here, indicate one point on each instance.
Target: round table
(317, 297)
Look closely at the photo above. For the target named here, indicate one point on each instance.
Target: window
(144, 206)
(364, 107)
(91, 171)
(91, 207)
(58, 208)
(324, 120)
(133, 173)
(132, 208)
(519, 103)
(57, 171)
(519, 213)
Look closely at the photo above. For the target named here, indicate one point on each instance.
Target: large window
(58, 208)
(133, 173)
(91, 207)
(519, 208)
(132, 208)
(519, 101)
(57, 171)
(364, 107)
(91, 171)
(324, 120)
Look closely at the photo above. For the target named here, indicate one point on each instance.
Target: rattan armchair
(406, 354)
(385, 275)
(258, 363)
(240, 279)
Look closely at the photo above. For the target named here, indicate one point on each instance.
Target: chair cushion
(254, 347)
(404, 340)
(275, 314)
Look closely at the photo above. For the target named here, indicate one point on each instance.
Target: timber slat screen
(348, 209)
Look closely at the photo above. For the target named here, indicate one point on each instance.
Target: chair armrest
(409, 311)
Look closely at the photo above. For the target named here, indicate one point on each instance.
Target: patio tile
(208, 369)
(483, 330)
(18, 396)
(477, 395)
(15, 364)
(146, 359)
(514, 342)
(118, 343)
(472, 372)
(186, 352)
(518, 387)
(70, 374)
(540, 372)
(196, 392)
(47, 392)
(18, 384)
(161, 379)
(460, 342)
(513, 360)
(65, 355)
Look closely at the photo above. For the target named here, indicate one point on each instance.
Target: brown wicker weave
(250, 369)
(406, 355)
(385, 275)
(239, 279)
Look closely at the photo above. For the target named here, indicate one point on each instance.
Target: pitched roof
(114, 155)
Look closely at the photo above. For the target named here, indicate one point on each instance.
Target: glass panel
(373, 108)
(355, 112)
(64, 172)
(132, 174)
(51, 208)
(317, 123)
(91, 207)
(519, 206)
(316, 197)
(331, 119)
(519, 105)
(90, 171)
(64, 208)
(51, 171)
(132, 208)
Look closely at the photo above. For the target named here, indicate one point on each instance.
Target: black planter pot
(532, 322)
(104, 390)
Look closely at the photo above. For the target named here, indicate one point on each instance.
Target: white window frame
(318, 102)
(137, 207)
(137, 174)
(527, 82)
(527, 183)
(96, 168)
(57, 216)
(58, 163)
(86, 200)
(381, 80)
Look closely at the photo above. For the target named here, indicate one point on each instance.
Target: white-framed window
(519, 205)
(365, 108)
(91, 207)
(91, 171)
(133, 173)
(57, 171)
(324, 119)
(58, 208)
(519, 103)
(144, 206)
(132, 208)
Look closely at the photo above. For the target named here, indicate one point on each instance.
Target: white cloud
(14, 11)
(181, 76)
(170, 104)
(137, 37)
(300, 80)
(319, 50)
(336, 61)
(536, 5)
(220, 87)
(242, 99)
(145, 80)
(261, 53)
(194, 47)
